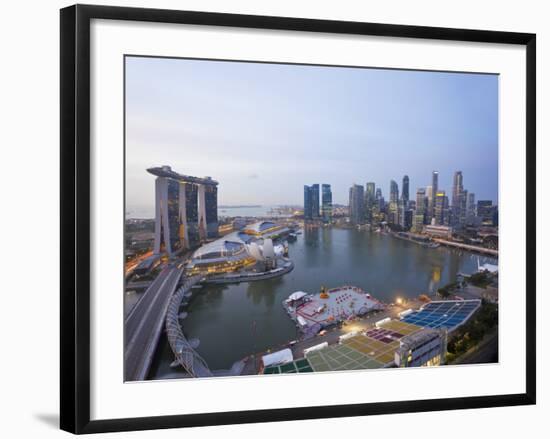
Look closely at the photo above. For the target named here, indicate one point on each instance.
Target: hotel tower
(186, 210)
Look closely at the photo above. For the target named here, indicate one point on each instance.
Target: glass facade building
(471, 205)
(394, 191)
(487, 212)
(326, 206)
(307, 202)
(405, 190)
(178, 211)
(435, 189)
(441, 208)
(421, 208)
(174, 232)
(458, 201)
(370, 201)
(311, 202)
(357, 204)
(211, 207)
(192, 214)
(315, 201)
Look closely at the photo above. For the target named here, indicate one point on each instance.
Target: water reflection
(233, 321)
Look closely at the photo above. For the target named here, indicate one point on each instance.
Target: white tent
(317, 347)
(296, 296)
(279, 357)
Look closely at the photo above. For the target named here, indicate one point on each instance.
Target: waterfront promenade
(472, 248)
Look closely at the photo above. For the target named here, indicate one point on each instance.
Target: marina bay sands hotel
(186, 210)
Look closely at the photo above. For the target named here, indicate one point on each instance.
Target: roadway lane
(143, 325)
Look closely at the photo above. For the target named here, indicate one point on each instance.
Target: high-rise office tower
(357, 204)
(471, 205)
(307, 203)
(407, 219)
(315, 205)
(421, 201)
(311, 202)
(370, 200)
(379, 199)
(403, 216)
(457, 187)
(441, 208)
(393, 206)
(181, 218)
(429, 204)
(485, 211)
(462, 203)
(435, 188)
(405, 191)
(419, 218)
(457, 199)
(394, 191)
(326, 203)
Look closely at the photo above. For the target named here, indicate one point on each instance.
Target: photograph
(296, 218)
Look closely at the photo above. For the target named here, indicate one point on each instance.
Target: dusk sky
(264, 130)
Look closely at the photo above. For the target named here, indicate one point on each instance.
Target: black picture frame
(75, 217)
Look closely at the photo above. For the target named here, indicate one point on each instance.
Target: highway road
(142, 327)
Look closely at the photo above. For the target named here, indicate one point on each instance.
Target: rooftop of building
(373, 349)
(166, 171)
(260, 227)
(229, 245)
(412, 340)
(448, 314)
(234, 244)
(333, 305)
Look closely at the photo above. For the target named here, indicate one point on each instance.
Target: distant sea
(247, 211)
(144, 213)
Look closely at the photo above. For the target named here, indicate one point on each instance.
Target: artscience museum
(256, 247)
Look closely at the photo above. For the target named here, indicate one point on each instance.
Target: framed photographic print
(268, 218)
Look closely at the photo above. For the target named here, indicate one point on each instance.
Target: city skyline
(427, 120)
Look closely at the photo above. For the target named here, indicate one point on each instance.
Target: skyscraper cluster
(430, 205)
(318, 208)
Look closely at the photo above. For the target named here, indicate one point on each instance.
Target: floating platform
(329, 307)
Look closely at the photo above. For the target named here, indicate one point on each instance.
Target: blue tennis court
(444, 314)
